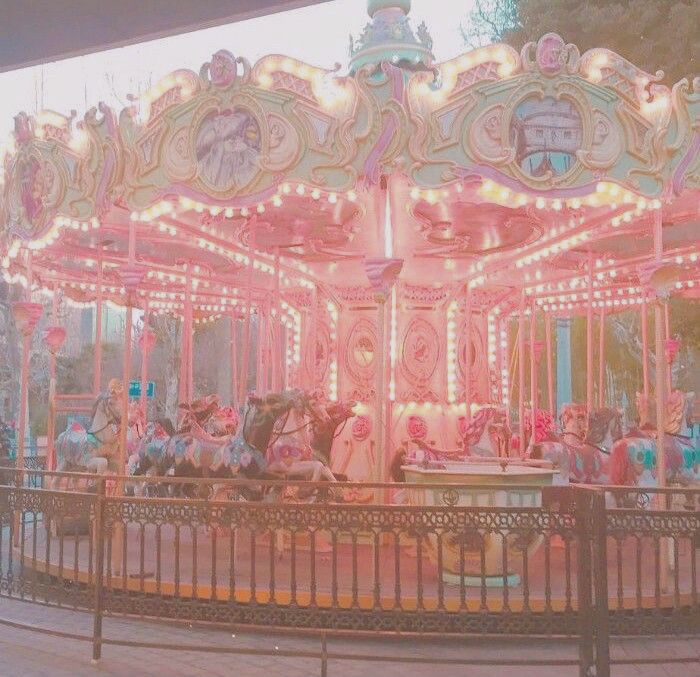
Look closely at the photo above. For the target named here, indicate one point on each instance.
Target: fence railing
(585, 563)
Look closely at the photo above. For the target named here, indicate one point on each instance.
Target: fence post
(324, 655)
(583, 502)
(600, 584)
(98, 583)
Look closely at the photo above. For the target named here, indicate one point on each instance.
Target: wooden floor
(264, 567)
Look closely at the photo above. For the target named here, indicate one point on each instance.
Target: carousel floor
(198, 563)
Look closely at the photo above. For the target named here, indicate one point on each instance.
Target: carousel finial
(374, 6)
(389, 37)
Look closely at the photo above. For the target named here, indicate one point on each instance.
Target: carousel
(393, 246)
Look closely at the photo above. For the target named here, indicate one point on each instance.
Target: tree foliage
(652, 34)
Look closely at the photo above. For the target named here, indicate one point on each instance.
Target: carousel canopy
(505, 171)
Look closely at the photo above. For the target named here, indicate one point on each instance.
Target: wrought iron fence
(584, 563)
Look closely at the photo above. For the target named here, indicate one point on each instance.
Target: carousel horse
(292, 456)
(95, 449)
(149, 459)
(577, 458)
(324, 433)
(204, 429)
(488, 433)
(136, 429)
(247, 453)
(633, 458)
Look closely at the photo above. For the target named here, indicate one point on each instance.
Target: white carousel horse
(293, 456)
(97, 448)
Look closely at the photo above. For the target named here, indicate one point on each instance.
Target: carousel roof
(510, 171)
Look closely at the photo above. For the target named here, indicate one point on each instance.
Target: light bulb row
(452, 357)
(333, 367)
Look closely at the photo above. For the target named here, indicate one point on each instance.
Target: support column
(643, 416)
(54, 336)
(550, 367)
(131, 276)
(667, 336)
(382, 395)
(533, 376)
(468, 322)
(660, 365)
(97, 353)
(564, 393)
(234, 360)
(382, 274)
(661, 375)
(589, 337)
(147, 342)
(313, 337)
(521, 373)
(601, 359)
(185, 385)
(245, 362)
(26, 316)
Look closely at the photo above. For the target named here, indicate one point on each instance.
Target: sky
(317, 35)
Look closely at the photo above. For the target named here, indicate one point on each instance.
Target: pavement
(25, 653)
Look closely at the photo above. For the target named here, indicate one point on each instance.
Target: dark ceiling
(37, 31)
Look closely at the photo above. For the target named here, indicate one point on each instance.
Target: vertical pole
(234, 361)
(265, 352)
(533, 378)
(144, 361)
(645, 354)
(601, 359)
(498, 323)
(550, 367)
(667, 335)
(563, 361)
(381, 386)
(589, 337)
(97, 355)
(51, 423)
(660, 360)
(126, 367)
(661, 374)
(186, 341)
(521, 373)
(468, 321)
(246, 331)
(98, 580)
(24, 376)
(313, 338)
(275, 328)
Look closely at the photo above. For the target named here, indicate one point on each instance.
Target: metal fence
(586, 563)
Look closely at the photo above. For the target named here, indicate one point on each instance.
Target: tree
(652, 35)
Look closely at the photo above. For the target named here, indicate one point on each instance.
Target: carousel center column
(382, 274)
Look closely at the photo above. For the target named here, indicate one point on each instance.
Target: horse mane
(598, 422)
